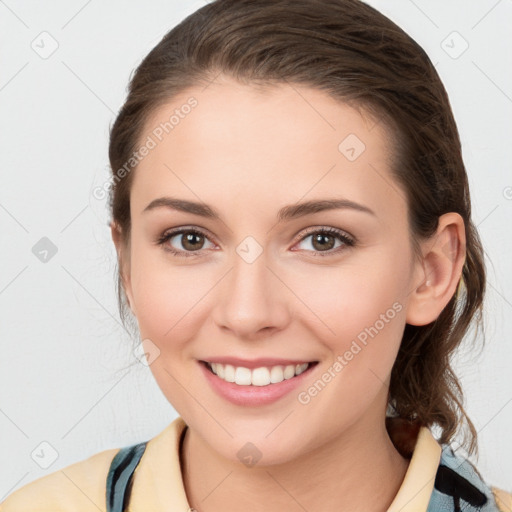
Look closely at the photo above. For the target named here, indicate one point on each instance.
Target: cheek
(171, 304)
(168, 298)
(359, 316)
(348, 299)
(362, 323)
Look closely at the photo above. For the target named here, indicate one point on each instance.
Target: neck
(359, 470)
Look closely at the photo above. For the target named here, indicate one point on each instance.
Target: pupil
(189, 240)
(320, 239)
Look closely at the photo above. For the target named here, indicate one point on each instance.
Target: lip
(254, 363)
(253, 395)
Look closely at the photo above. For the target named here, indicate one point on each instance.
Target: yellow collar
(158, 482)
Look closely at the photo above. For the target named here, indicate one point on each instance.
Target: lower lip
(253, 395)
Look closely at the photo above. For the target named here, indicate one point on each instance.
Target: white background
(65, 376)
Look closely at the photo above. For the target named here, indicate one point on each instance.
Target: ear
(123, 259)
(438, 273)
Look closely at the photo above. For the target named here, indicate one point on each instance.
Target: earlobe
(123, 262)
(438, 274)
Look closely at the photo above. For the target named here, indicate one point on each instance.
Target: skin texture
(247, 152)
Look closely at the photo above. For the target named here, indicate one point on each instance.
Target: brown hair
(357, 55)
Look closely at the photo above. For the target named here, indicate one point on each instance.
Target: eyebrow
(286, 213)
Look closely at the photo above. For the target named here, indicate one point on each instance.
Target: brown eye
(184, 242)
(192, 241)
(323, 241)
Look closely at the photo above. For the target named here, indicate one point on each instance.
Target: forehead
(269, 145)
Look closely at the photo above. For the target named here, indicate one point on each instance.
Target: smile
(256, 382)
(262, 376)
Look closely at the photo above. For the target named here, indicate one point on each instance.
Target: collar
(158, 482)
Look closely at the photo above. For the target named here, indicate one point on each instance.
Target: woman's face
(263, 280)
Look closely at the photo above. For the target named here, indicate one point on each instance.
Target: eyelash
(347, 240)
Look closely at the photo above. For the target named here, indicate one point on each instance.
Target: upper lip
(255, 363)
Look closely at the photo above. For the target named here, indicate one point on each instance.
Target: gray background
(63, 380)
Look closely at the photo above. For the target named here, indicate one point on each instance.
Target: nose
(252, 301)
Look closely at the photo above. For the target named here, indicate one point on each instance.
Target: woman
(292, 220)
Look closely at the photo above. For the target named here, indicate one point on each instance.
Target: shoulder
(79, 487)
(458, 480)
(503, 499)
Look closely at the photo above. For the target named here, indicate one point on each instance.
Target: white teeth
(301, 368)
(259, 376)
(289, 371)
(243, 376)
(220, 370)
(276, 374)
(229, 373)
